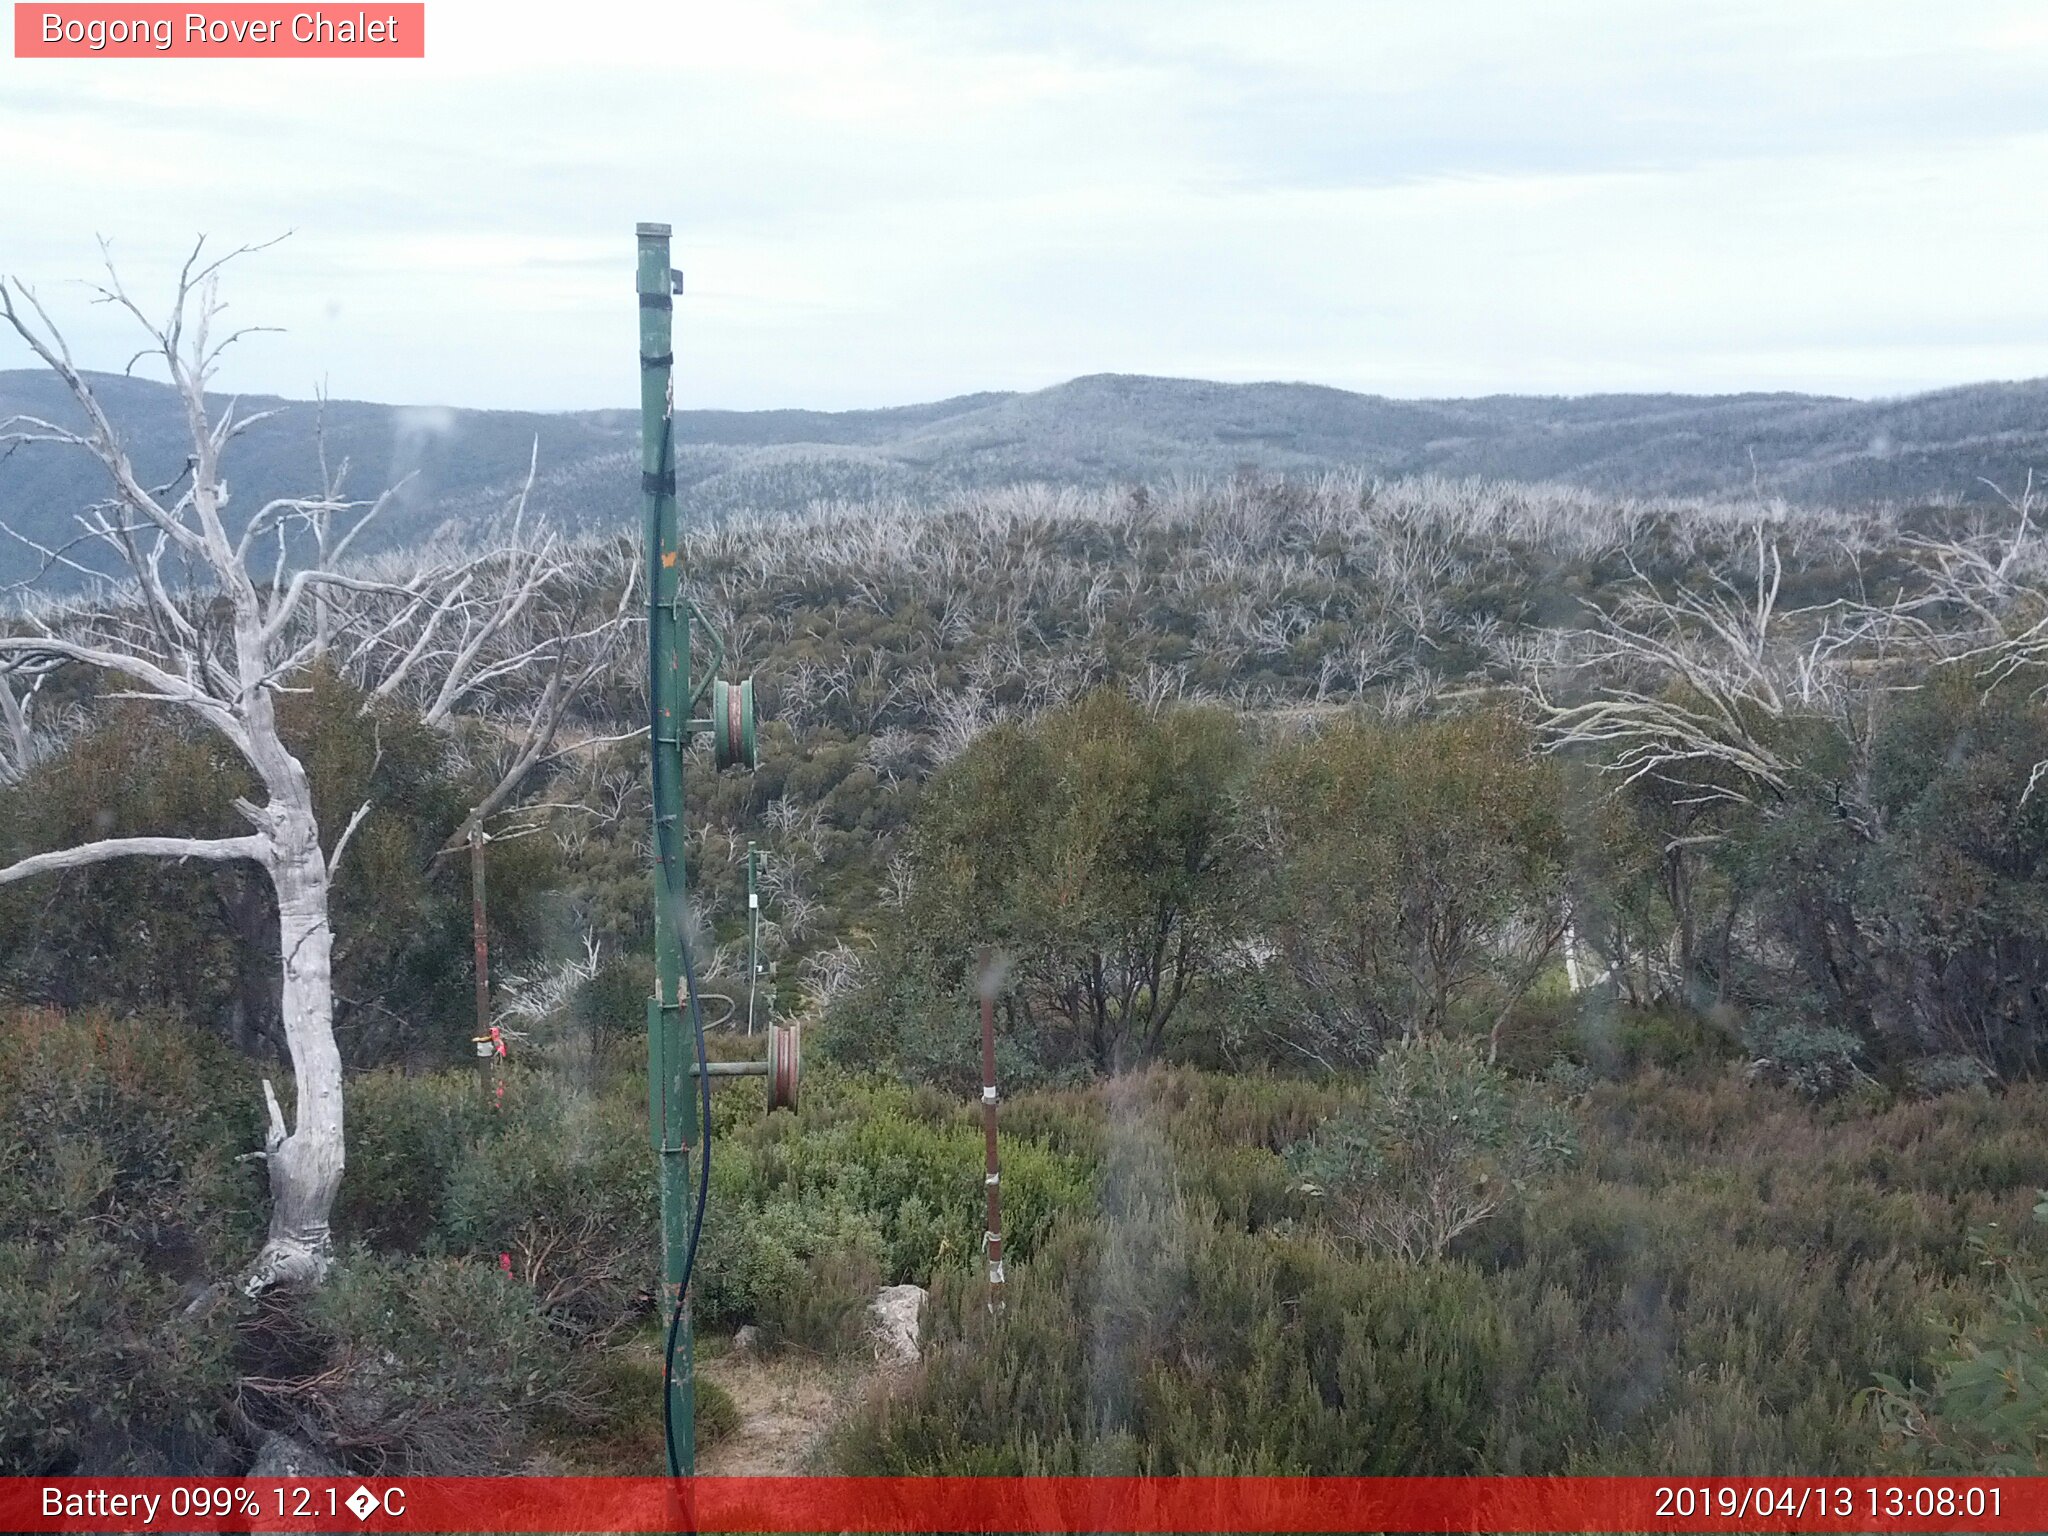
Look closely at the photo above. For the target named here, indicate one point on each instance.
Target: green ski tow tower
(679, 1071)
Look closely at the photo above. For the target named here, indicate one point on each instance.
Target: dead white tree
(17, 745)
(1695, 687)
(531, 632)
(1717, 694)
(211, 615)
(23, 742)
(1986, 603)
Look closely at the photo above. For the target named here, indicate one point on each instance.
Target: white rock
(282, 1456)
(897, 1312)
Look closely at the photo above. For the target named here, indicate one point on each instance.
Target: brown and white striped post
(489, 1040)
(479, 930)
(992, 1237)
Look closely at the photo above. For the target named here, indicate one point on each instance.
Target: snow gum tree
(213, 612)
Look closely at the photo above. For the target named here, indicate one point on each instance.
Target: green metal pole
(672, 1103)
(753, 936)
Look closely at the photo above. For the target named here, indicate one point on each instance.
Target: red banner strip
(1023, 1504)
(377, 29)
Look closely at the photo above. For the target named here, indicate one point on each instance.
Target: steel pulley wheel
(732, 723)
(785, 1053)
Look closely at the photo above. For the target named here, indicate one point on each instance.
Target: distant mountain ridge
(1101, 429)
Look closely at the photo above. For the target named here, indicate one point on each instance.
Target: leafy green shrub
(408, 1133)
(1441, 1142)
(121, 1200)
(131, 1125)
(565, 1185)
(907, 1161)
(1816, 1059)
(1543, 1026)
(613, 1001)
(1091, 847)
(1936, 1075)
(1413, 877)
(1986, 1407)
(100, 1370)
(924, 1182)
(873, 1182)
(200, 941)
(1622, 1040)
(1956, 895)
(803, 1272)
(128, 935)
(558, 1180)
(826, 1311)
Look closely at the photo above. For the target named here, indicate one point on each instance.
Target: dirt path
(787, 1405)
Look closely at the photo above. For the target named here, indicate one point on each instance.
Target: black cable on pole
(665, 851)
(675, 1321)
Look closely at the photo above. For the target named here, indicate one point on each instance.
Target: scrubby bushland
(423, 1366)
(1897, 932)
(1158, 1342)
(1713, 1284)
(120, 1201)
(492, 1302)
(563, 1186)
(1831, 842)
(1157, 880)
(1438, 1142)
(1307, 729)
(1837, 801)
(1852, 924)
(101, 1370)
(1162, 880)
(885, 637)
(871, 1184)
(124, 1192)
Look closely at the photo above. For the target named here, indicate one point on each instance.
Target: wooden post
(489, 1042)
(479, 927)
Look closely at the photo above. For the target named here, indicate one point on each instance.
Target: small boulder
(746, 1339)
(898, 1313)
(282, 1456)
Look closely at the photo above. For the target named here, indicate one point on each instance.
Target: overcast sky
(880, 203)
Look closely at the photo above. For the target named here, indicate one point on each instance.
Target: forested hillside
(1497, 979)
(455, 467)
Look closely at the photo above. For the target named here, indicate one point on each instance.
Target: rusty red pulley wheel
(785, 1060)
(732, 723)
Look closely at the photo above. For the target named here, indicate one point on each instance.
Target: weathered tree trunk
(17, 744)
(305, 1159)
